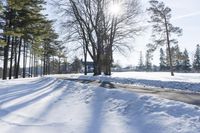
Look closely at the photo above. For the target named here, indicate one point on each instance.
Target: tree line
(180, 60)
(27, 38)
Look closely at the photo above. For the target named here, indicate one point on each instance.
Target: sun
(115, 9)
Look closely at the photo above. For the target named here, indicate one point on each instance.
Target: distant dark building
(89, 65)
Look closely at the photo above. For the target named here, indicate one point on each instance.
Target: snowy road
(50, 105)
(177, 95)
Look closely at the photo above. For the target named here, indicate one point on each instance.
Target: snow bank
(181, 81)
(49, 105)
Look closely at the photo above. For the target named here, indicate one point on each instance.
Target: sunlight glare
(115, 9)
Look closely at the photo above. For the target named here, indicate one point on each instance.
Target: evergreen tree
(167, 58)
(25, 29)
(141, 63)
(30, 23)
(177, 58)
(49, 46)
(76, 65)
(60, 55)
(196, 62)
(162, 28)
(148, 63)
(2, 40)
(186, 62)
(163, 65)
(1, 6)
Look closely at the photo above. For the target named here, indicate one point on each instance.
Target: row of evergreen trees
(27, 38)
(196, 62)
(180, 60)
(147, 64)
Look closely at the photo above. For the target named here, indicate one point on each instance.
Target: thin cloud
(187, 15)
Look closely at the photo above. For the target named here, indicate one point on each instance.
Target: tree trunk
(97, 67)
(11, 58)
(24, 61)
(36, 68)
(19, 57)
(5, 63)
(41, 71)
(15, 56)
(59, 65)
(30, 61)
(48, 66)
(34, 65)
(53, 66)
(6, 48)
(169, 48)
(44, 65)
(85, 61)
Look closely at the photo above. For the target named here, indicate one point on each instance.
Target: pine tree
(148, 63)
(2, 40)
(141, 63)
(24, 28)
(177, 58)
(196, 62)
(1, 6)
(29, 22)
(49, 46)
(186, 62)
(76, 65)
(163, 65)
(162, 28)
(9, 15)
(168, 58)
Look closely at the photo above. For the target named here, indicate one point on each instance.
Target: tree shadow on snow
(38, 91)
(97, 104)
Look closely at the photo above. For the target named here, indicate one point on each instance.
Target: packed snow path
(177, 95)
(181, 81)
(49, 105)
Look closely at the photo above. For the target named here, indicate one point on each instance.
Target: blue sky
(185, 14)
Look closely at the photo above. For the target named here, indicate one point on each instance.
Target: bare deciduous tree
(102, 30)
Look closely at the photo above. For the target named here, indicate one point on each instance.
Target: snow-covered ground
(50, 105)
(181, 81)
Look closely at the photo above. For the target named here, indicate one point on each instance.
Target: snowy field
(50, 105)
(181, 81)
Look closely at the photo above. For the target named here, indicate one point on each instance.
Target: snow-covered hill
(50, 105)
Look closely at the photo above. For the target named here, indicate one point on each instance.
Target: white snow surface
(181, 81)
(50, 105)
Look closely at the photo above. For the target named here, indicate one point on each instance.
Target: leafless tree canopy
(100, 29)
